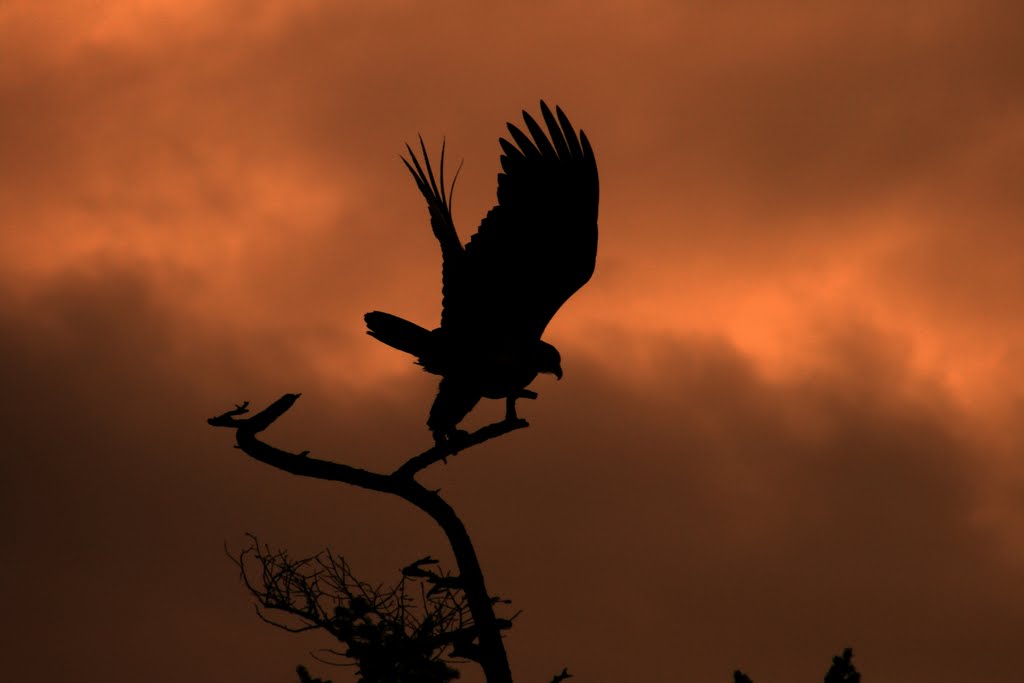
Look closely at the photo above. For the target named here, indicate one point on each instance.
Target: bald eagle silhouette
(530, 254)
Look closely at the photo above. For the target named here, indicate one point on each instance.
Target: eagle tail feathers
(397, 333)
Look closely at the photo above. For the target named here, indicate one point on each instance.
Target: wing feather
(524, 142)
(539, 244)
(543, 144)
(556, 131)
(570, 136)
(512, 155)
(441, 222)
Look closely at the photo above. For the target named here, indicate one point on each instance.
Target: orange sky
(792, 407)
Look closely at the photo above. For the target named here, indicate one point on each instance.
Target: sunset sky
(791, 419)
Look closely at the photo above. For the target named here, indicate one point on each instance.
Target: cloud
(759, 164)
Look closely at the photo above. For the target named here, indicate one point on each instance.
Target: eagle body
(496, 367)
(531, 252)
(493, 368)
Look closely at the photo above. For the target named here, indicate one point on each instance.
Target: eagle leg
(510, 403)
(510, 409)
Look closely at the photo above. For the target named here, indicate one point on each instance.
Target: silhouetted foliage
(841, 671)
(304, 676)
(407, 632)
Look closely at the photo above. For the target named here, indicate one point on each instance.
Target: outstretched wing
(538, 245)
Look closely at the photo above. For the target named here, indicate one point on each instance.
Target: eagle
(532, 252)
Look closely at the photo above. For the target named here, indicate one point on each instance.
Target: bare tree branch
(489, 650)
(301, 465)
(293, 463)
(561, 676)
(259, 421)
(417, 463)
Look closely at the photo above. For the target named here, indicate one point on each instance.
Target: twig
(259, 421)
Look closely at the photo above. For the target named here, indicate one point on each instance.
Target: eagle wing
(538, 245)
(534, 249)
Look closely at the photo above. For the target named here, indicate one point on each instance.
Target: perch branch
(294, 463)
(420, 462)
(303, 466)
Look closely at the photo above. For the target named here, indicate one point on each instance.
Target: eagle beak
(558, 372)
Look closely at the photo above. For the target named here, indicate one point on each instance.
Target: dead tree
(476, 636)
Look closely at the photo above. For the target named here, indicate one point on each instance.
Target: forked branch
(489, 650)
(302, 465)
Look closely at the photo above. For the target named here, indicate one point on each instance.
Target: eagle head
(547, 359)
